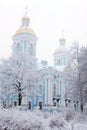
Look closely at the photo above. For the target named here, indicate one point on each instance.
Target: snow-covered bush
(69, 114)
(38, 120)
(20, 120)
(26, 120)
(59, 123)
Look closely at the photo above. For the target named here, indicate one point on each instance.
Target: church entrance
(29, 107)
(54, 103)
(15, 103)
(40, 105)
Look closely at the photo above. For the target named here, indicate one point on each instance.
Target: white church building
(50, 87)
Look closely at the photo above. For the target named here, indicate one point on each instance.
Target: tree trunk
(19, 95)
(19, 99)
(81, 106)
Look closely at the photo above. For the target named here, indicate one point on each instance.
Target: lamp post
(75, 105)
(67, 102)
(57, 99)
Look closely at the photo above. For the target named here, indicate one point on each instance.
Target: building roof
(25, 27)
(25, 18)
(47, 66)
(25, 30)
(61, 50)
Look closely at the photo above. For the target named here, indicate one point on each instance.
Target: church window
(31, 49)
(5, 89)
(18, 45)
(60, 87)
(64, 61)
(54, 90)
(40, 105)
(54, 76)
(25, 45)
(54, 103)
(19, 48)
(15, 103)
(58, 62)
(29, 107)
(40, 89)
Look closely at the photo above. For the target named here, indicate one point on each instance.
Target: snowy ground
(80, 126)
(26, 120)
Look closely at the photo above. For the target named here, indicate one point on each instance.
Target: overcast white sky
(48, 18)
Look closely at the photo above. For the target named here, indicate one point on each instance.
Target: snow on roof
(60, 68)
(50, 66)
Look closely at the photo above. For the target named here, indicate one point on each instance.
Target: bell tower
(24, 41)
(61, 54)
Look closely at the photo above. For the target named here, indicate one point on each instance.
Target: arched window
(15, 103)
(25, 45)
(29, 107)
(40, 105)
(31, 49)
(40, 89)
(58, 62)
(18, 47)
(5, 89)
(54, 90)
(54, 103)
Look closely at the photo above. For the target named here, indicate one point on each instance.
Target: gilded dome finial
(62, 33)
(25, 26)
(26, 8)
(25, 19)
(62, 39)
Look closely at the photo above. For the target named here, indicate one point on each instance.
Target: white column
(45, 91)
(50, 90)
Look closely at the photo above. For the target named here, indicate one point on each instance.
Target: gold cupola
(25, 27)
(25, 30)
(25, 18)
(62, 40)
(25, 21)
(62, 47)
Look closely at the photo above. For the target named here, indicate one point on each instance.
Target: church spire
(62, 33)
(62, 40)
(25, 19)
(26, 8)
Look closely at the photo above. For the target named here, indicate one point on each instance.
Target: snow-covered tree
(77, 76)
(83, 72)
(18, 73)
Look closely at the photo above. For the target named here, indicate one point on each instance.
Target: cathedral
(50, 87)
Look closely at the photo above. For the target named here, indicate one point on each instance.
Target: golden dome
(62, 39)
(25, 18)
(61, 50)
(25, 30)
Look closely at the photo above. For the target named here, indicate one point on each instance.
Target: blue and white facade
(49, 88)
